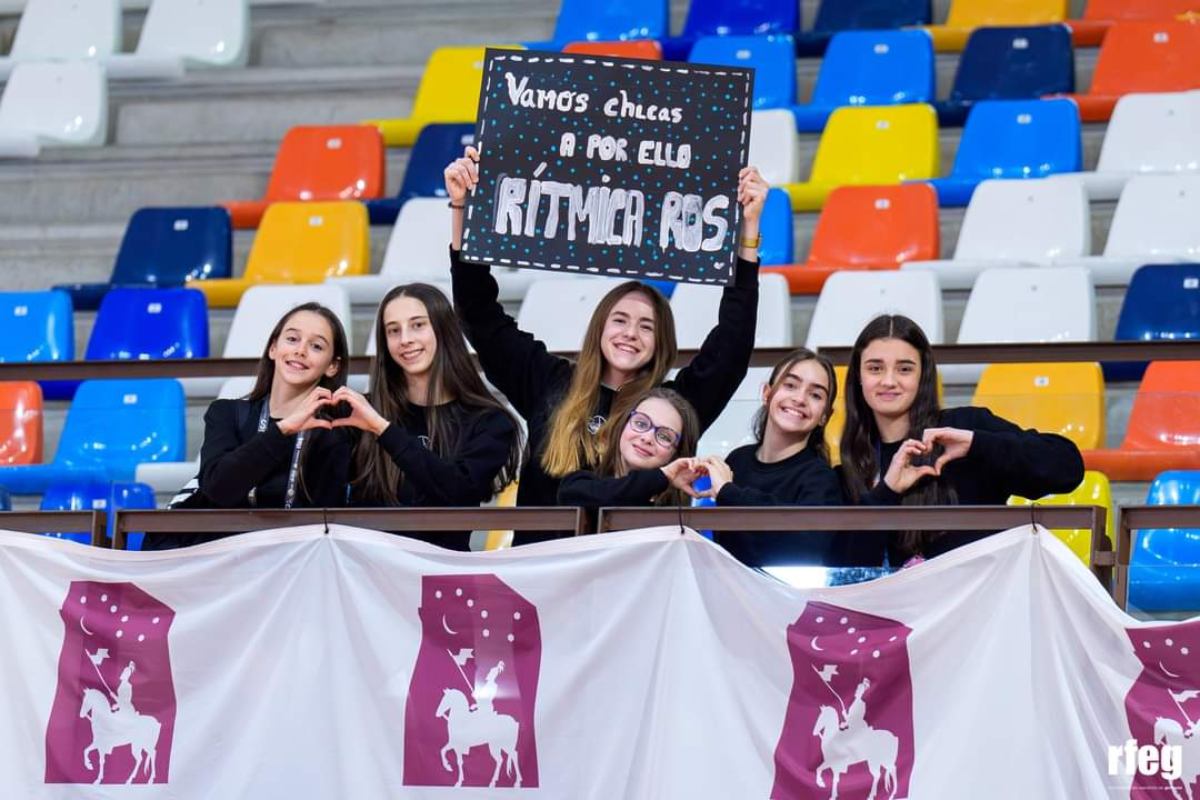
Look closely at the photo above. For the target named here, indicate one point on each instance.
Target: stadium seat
(107, 496)
(182, 34)
(1163, 432)
(775, 225)
(111, 427)
(1095, 490)
(869, 68)
(449, 92)
(772, 57)
(1015, 223)
(1100, 15)
(1009, 64)
(556, 310)
(416, 251)
(1155, 221)
(733, 428)
(849, 300)
(870, 145)
(732, 18)
(1012, 139)
(645, 49)
(857, 15)
(319, 163)
(38, 326)
(5, 500)
(164, 247)
(1164, 571)
(437, 145)
(1148, 133)
(149, 324)
(299, 243)
(1141, 57)
(64, 30)
(589, 21)
(257, 312)
(967, 15)
(53, 104)
(867, 227)
(1162, 303)
(774, 147)
(20, 423)
(695, 307)
(1067, 399)
(1011, 305)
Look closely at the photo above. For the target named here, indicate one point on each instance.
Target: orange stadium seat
(319, 162)
(1164, 426)
(20, 423)
(299, 243)
(1067, 399)
(647, 49)
(867, 227)
(1141, 57)
(967, 15)
(1100, 15)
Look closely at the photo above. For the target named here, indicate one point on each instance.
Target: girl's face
(891, 373)
(627, 342)
(411, 342)
(651, 434)
(799, 400)
(303, 352)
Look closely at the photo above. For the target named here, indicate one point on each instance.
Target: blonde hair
(569, 444)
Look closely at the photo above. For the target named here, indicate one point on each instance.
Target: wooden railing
(93, 522)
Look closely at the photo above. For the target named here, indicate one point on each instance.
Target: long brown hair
(569, 444)
(860, 438)
(265, 376)
(453, 376)
(611, 463)
(816, 437)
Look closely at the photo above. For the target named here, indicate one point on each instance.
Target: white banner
(647, 664)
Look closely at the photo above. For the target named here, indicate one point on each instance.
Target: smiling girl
(629, 346)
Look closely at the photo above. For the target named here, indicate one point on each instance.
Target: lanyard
(289, 497)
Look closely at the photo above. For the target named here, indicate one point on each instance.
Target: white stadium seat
(695, 308)
(851, 299)
(59, 104)
(732, 428)
(774, 146)
(1015, 223)
(65, 30)
(181, 34)
(557, 310)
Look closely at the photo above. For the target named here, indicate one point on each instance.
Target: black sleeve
(587, 489)
(229, 468)
(327, 467)
(1024, 462)
(712, 377)
(822, 489)
(514, 361)
(464, 479)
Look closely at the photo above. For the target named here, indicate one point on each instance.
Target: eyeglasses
(664, 436)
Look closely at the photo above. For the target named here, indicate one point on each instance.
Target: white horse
(466, 729)
(1169, 732)
(112, 729)
(843, 749)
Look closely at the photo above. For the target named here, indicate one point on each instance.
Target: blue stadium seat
(731, 18)
(150, 324)
(5, 500)
(107, 496)
(858, 15)
(1016, 63)
(111, 427)
(776, 229)
(165, 247)
(1161, 303)
(612, 20)
(870, 68)
(1012, 139)
(437, 145)
(773, 59)
(38, 326)
(1164, 573)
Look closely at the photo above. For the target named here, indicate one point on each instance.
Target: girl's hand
(719, 473)
(955, 443)
(682, 472)
(304, 417)
(902, 473)
(461, 175)
(362, 414)
(752, 194)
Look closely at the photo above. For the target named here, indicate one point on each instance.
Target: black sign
(609, 166)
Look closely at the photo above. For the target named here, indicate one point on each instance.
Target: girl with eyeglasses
(647, 460)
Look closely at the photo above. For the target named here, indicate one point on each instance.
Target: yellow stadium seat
(967, 15)
(449, 92)
(870, 145)
(500, 539)
(299, 243)
(1094, 491)
(1066, 399)
(837, 419)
